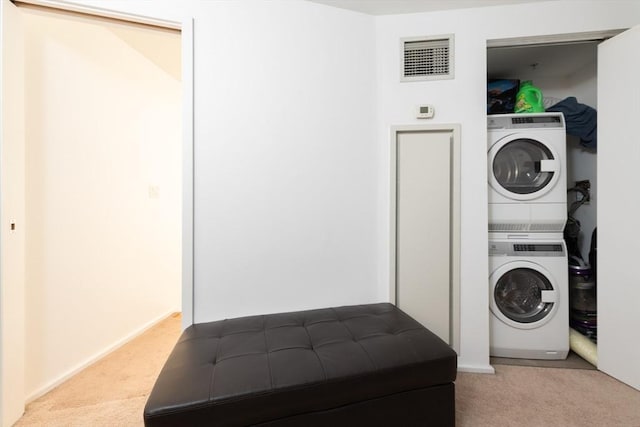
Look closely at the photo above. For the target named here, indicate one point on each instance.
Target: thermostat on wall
(425, 111)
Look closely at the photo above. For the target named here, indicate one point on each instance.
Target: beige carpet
(112, 393)
(519, 396)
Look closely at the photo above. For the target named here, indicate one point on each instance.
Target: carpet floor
(112, 392)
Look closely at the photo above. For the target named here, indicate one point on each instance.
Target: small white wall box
(425, 111)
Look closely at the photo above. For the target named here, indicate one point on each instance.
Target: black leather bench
(368, 365)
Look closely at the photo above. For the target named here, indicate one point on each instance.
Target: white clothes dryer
(527, 172)
(529, 299)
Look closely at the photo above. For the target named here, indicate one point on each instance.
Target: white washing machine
(527, 172)
(529, 299)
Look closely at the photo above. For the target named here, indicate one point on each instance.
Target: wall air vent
(427, 58)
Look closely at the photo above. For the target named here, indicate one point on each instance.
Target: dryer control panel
(526, 121)
(553, 249)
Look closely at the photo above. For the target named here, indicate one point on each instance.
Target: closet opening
(553, 230)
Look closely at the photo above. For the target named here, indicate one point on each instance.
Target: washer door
(521, 167)
(523, 295)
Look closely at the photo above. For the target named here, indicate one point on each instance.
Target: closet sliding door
(12, 215)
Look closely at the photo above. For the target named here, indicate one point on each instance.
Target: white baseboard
(477, 369)
(91, 360)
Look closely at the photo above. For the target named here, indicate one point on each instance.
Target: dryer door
(522, 167)
(523, 295)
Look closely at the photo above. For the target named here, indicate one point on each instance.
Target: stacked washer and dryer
(528, 282)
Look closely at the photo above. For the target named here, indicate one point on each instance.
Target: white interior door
(425, 228)
(12, 215)
(619, 207)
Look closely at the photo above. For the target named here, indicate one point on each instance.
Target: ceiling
(394, 7)
(556, 60)
(561, 60)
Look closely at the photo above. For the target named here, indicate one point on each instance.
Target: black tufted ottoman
(368, 365)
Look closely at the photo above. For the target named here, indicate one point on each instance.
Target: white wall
(463, 101)
(289, 217)
(285, 159)
(285, 164)
(582, 162)
(103, 187)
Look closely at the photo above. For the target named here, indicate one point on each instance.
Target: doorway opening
(103, 186)
(563, 67)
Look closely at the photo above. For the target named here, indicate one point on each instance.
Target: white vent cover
(427, 58)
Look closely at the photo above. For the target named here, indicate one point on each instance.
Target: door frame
(551, 39)
(185, 26)
(454, 233)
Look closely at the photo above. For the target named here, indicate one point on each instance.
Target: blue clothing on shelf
(581, 120)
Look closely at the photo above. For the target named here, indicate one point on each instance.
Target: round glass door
(517, 166)
(518, 295)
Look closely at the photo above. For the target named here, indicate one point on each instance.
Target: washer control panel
(555, 249)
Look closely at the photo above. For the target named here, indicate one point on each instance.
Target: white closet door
(423, 228)
(12, 226)
(619, 207)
